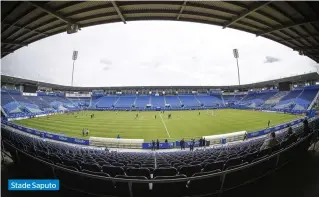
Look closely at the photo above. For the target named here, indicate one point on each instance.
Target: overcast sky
(151, 53)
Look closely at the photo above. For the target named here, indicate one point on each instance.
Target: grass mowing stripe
(183, 124)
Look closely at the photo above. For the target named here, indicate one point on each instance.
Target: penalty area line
(165, 126)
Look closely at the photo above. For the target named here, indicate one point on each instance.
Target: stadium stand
(125, 102)
(77, 167)
(104, 102)
(142, 101)
(157, 101)
(16, 105)
(173, 101)
(256, 99)
(288, 101)
(303, 101)
(210, 101)
(189, 101)
(275, 99)
(80, 102)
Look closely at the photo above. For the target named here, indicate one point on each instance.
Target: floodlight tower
(74, 57)
(236, 55)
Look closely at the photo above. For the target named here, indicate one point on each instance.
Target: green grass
(183, 124)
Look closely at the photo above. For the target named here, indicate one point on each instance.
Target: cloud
(106, 68)
(105, 61)
(153, 56)
(150, 64)
(270, 59)
(157, 64)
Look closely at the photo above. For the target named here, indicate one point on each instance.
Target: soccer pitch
(183, 124)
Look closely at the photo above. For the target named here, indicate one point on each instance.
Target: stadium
(179, 140)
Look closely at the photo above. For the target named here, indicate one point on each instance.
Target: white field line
(165, 126)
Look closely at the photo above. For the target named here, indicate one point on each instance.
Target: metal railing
(222, 174)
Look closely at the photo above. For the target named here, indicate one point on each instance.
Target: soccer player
(268, 123)
(153, 145)
(157, 144)
(87, 132)
(155, 117)
(199, 113)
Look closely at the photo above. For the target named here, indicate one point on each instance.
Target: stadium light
(236, 55)
(74, 57)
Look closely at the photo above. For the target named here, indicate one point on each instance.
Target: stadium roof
(314, 76)
(293, 24)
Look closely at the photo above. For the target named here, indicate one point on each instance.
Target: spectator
(245, 136)
(153, 145)
(270, 142)
(291, 136)
(157, 144)
(183, 144)
(306, 129)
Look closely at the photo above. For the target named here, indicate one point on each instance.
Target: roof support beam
(11, 11)
(25, 28)
(12, 42)
(294, 7)
(298, 38)
(306, 30)
(280, 11)
(50, 11)
(118, 11)
(288, 26)
(181, 10)
(242, 15)
(306, 48)
(6, 51)
(18, 19)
